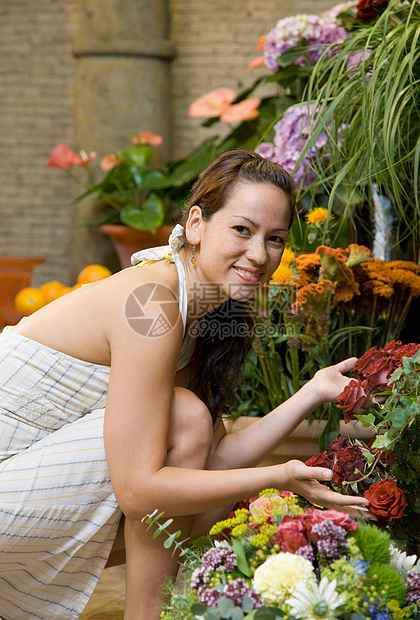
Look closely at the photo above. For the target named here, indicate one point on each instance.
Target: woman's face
(240, 247)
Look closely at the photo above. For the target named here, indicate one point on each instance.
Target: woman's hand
(305, 481)
(329, 382)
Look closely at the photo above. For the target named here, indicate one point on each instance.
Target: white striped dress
(58, 512)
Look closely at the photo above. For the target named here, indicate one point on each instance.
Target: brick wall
(214, 42)
(36, 112)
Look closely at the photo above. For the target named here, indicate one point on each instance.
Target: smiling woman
(112, 396)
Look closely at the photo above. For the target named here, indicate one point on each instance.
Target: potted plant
(136, 200)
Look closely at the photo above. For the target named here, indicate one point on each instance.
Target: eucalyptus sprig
(153, 519)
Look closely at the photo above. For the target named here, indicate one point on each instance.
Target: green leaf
(367, 420)
(150, 217)
(225, 605)
(247, 604)
(238, 548)
(198, 609)
(268, 613)
(357, 616)
(237, 614)
(399, 416)
(137, 155)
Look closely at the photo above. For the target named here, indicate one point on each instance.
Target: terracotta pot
(303, 442)
(21, 264)
(15, 274)
(129, 240)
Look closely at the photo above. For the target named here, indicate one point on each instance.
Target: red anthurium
(147, 137)
(108, 162)
(63, 157)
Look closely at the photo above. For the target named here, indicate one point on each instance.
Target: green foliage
(387, 582)
(374, 109)
(373, 543)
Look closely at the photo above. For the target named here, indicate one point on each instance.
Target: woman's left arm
(251, 445)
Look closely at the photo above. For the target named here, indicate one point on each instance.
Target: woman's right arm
(136, 429)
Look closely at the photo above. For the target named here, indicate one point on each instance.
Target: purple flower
(236, 591)
(413, 587)
(331, 539)
(220, 559)
(307, 552)
(291, 134)
(312, 32)
(209, 596)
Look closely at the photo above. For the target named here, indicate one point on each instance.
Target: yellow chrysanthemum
(287, 257)
(277, 578)
(319, 215)
(283, 275)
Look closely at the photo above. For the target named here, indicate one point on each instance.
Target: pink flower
(212, 104)
(245, 110)
(291, 534)
(108, 162)
(63, 157)
(147, 137)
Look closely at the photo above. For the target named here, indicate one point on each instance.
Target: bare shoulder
(119, 312)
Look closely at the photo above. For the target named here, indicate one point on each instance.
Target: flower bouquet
(318, 309)
(274, 559)
(385, 395)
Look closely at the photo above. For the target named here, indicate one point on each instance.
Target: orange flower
(307, 267)
(260, 43)
(212, 104)
(319, 215)
(345, 291)
(405, 264)
(245, 110)
(308, 262)
(407, 279)
(313, 295)
(147, 137)
(283, 275)
(376, 278)
(108, 162)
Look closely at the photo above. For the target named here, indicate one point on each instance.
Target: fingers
(346, 365)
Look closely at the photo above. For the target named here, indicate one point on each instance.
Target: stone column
(122, 86)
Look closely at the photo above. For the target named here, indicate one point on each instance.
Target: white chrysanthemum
(400, 560)
(279, 576)
(316, 601)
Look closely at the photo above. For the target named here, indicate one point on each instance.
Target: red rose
(291, 534)
(399, 350)
(349, 465)
(336, 445)
(355, 398)
(386, 500)
(376, 366)
(367, 10)
(318, 460)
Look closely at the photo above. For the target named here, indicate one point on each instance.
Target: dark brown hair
(215, 184)
(218, 358)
